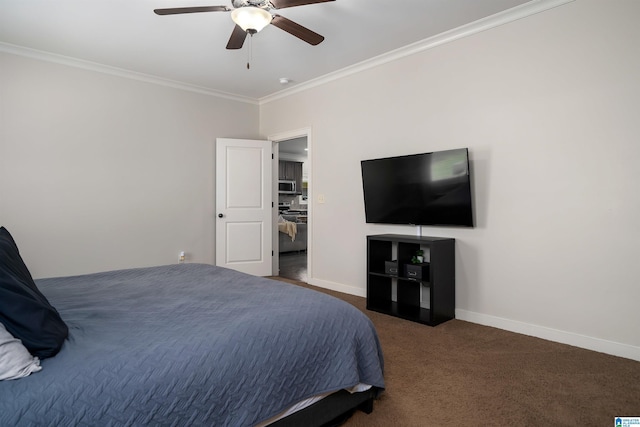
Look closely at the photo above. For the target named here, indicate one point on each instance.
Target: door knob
(220, 215)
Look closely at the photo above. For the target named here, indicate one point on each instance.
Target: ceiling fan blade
(178, 10)
(297, 30)
(237, 38)
(281, 4)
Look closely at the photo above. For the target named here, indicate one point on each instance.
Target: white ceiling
(296, 146)
(190, 48)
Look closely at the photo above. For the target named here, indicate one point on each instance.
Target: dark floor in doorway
(293, 265)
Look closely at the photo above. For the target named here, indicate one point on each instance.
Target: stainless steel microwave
(286, 187)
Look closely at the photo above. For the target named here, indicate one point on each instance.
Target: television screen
(420, 189)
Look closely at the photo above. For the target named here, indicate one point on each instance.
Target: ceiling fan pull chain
(250, 51)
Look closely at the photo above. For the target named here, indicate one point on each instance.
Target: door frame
(275, 139)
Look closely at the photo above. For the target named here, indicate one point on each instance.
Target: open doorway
(293, 208)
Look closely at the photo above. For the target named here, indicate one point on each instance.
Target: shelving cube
(403, 296)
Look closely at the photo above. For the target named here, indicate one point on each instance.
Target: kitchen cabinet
(292, 171)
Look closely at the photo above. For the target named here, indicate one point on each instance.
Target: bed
(195, 344)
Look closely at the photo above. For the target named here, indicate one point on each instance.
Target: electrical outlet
(321, 198)
(181, 259)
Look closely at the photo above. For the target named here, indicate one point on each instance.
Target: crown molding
(484, 24)
(120, 72)
(502, 18)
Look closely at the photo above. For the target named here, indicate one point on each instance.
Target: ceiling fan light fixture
(251, 18)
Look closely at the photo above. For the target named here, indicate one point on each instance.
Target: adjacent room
(293, 212)
(160, 266)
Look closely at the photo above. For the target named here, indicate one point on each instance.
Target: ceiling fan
(251, 16)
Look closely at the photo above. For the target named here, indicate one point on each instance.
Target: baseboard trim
(570, 338)
(338, 287)
(583, 341)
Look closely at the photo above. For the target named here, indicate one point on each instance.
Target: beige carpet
(463, 374)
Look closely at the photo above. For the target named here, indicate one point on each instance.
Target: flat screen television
(419, 189)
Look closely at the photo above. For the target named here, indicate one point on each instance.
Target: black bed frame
(331, 411)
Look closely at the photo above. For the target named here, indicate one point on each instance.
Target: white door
(243, 205)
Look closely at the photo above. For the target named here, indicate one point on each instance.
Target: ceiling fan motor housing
(263, 4)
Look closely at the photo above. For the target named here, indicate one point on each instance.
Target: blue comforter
(190, 344)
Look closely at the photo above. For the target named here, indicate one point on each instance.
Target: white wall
(100, 172)
(548, 108)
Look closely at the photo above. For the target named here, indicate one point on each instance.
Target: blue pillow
(24, 311)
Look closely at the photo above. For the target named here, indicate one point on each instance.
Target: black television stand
(427, 298)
